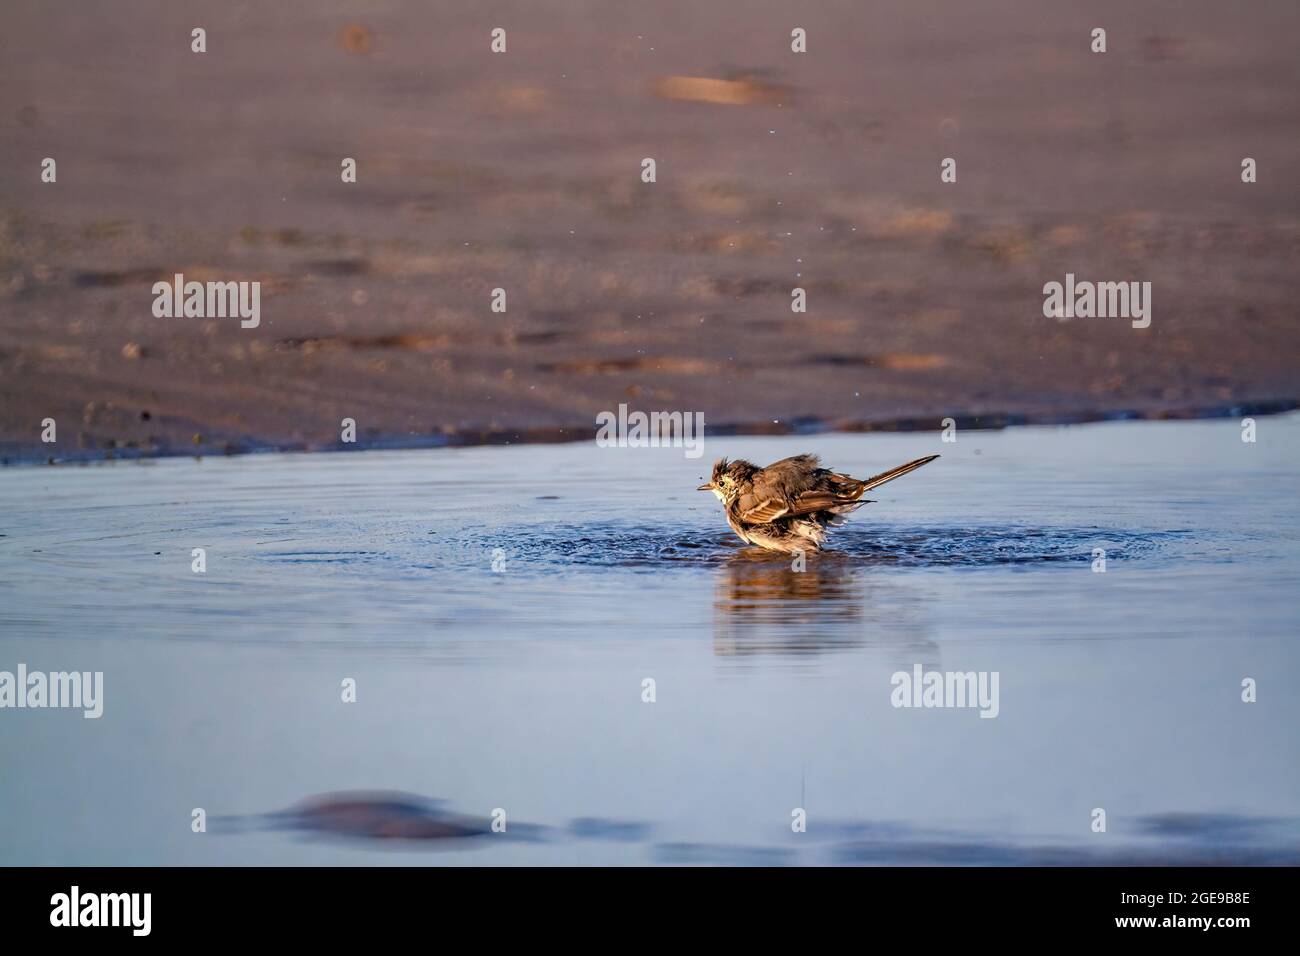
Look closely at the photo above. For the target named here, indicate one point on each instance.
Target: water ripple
(628, 545)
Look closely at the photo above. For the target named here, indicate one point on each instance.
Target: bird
(788, 505)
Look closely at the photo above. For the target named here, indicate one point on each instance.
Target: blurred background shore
(522, 171)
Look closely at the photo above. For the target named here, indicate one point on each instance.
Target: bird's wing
(769, 509)
(789, 487)
(836, 495)
(783, 480)
(833, 491)
(820, 500)
(795, 463)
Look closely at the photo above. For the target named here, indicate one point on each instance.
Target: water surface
(521, 688)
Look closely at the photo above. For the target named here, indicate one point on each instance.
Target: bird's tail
(899, 472)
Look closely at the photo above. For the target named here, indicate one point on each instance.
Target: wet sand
(522, 171)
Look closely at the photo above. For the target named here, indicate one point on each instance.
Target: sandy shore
(522, 171)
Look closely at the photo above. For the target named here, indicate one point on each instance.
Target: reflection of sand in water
(762, 605)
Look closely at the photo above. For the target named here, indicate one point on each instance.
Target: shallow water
(521, 688)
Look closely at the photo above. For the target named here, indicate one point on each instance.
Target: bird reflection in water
(762, 605)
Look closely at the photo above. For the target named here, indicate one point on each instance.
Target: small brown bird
(788, 505)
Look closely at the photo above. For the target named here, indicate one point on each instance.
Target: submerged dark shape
(396, 817)
(380, 815)
(788, 505)
(1223, 827)
(1165, 839)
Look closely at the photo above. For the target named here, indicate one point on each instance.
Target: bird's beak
(708, 487)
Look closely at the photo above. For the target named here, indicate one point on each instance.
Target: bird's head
(726, 478)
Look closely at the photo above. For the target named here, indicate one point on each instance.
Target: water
(522, 689)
